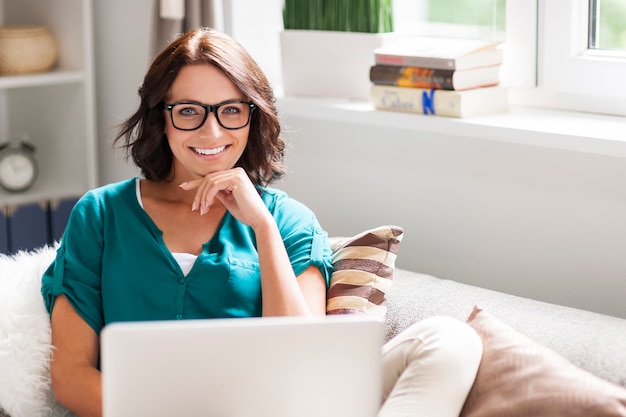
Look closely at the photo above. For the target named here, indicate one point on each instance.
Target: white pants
(429, 368)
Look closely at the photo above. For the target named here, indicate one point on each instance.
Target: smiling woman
(204, 234)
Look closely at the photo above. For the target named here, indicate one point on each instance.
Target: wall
(122, 31)
(532, 221)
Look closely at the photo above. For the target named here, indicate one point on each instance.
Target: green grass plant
(368, 16)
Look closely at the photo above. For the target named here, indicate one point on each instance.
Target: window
(607, 24)
(457, 18)
(575, 73)
(567, 54)
(510, 21)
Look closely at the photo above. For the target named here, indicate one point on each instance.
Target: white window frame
(569, 76)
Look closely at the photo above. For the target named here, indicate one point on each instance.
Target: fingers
(194, 184)
(220, 184)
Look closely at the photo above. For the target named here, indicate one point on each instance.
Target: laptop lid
(247, 367)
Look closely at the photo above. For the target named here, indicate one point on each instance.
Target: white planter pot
(329, 64)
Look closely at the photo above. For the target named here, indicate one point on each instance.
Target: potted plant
(327, 45)
(366, 16)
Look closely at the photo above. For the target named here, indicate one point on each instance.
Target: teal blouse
(112, 263)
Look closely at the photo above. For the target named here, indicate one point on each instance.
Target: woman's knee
(445, 336)
(430, 367)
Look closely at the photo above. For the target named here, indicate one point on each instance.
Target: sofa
(539, 359)
(595, 342)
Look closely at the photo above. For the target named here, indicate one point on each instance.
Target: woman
(200, 234)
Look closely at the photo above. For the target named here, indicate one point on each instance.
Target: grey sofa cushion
(592, 341)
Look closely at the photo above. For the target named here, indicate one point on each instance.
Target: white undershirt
(185, 260)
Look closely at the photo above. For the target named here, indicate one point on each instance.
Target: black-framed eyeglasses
(191, 115)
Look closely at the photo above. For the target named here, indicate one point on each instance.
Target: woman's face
(211, 147)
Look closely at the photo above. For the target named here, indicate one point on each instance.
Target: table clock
(18, 166)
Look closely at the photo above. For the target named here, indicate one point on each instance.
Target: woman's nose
(211, 126)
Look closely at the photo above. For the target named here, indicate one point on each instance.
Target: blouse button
(179, 317)
(182, 281)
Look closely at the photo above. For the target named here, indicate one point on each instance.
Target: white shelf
(40, 193)
(56, 108)
(36, 80)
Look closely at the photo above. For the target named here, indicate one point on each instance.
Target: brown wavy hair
(142, 135)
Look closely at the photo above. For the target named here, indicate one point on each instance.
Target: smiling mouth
(212, 151)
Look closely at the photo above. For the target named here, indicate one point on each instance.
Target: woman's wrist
(265, 224)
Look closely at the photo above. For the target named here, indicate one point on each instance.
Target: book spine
(4, 232)
(415, 77)
(414, 61)
(416, 100)
(27, 228)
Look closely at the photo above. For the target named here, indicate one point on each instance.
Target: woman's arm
(76, 381)
(283, 294)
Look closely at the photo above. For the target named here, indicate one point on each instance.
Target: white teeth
(212, 151)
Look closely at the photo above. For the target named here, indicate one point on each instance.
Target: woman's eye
(230, 110)
(188, 111)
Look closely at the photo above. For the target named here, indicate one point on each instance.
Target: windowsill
(566, 130)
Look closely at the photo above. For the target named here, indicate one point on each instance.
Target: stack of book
(438, 76)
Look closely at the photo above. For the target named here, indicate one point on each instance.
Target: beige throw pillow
(520, 377)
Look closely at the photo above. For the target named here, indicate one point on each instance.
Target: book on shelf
(439, 53)
(403, 76)
(449, 103)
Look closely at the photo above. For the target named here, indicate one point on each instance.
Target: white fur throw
(25, 348)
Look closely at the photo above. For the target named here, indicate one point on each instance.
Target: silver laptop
(253, 367)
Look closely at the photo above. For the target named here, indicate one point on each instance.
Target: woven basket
(26, 49)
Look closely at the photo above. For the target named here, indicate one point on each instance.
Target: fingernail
(183, 184)
(204, 208)
(194, 205)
